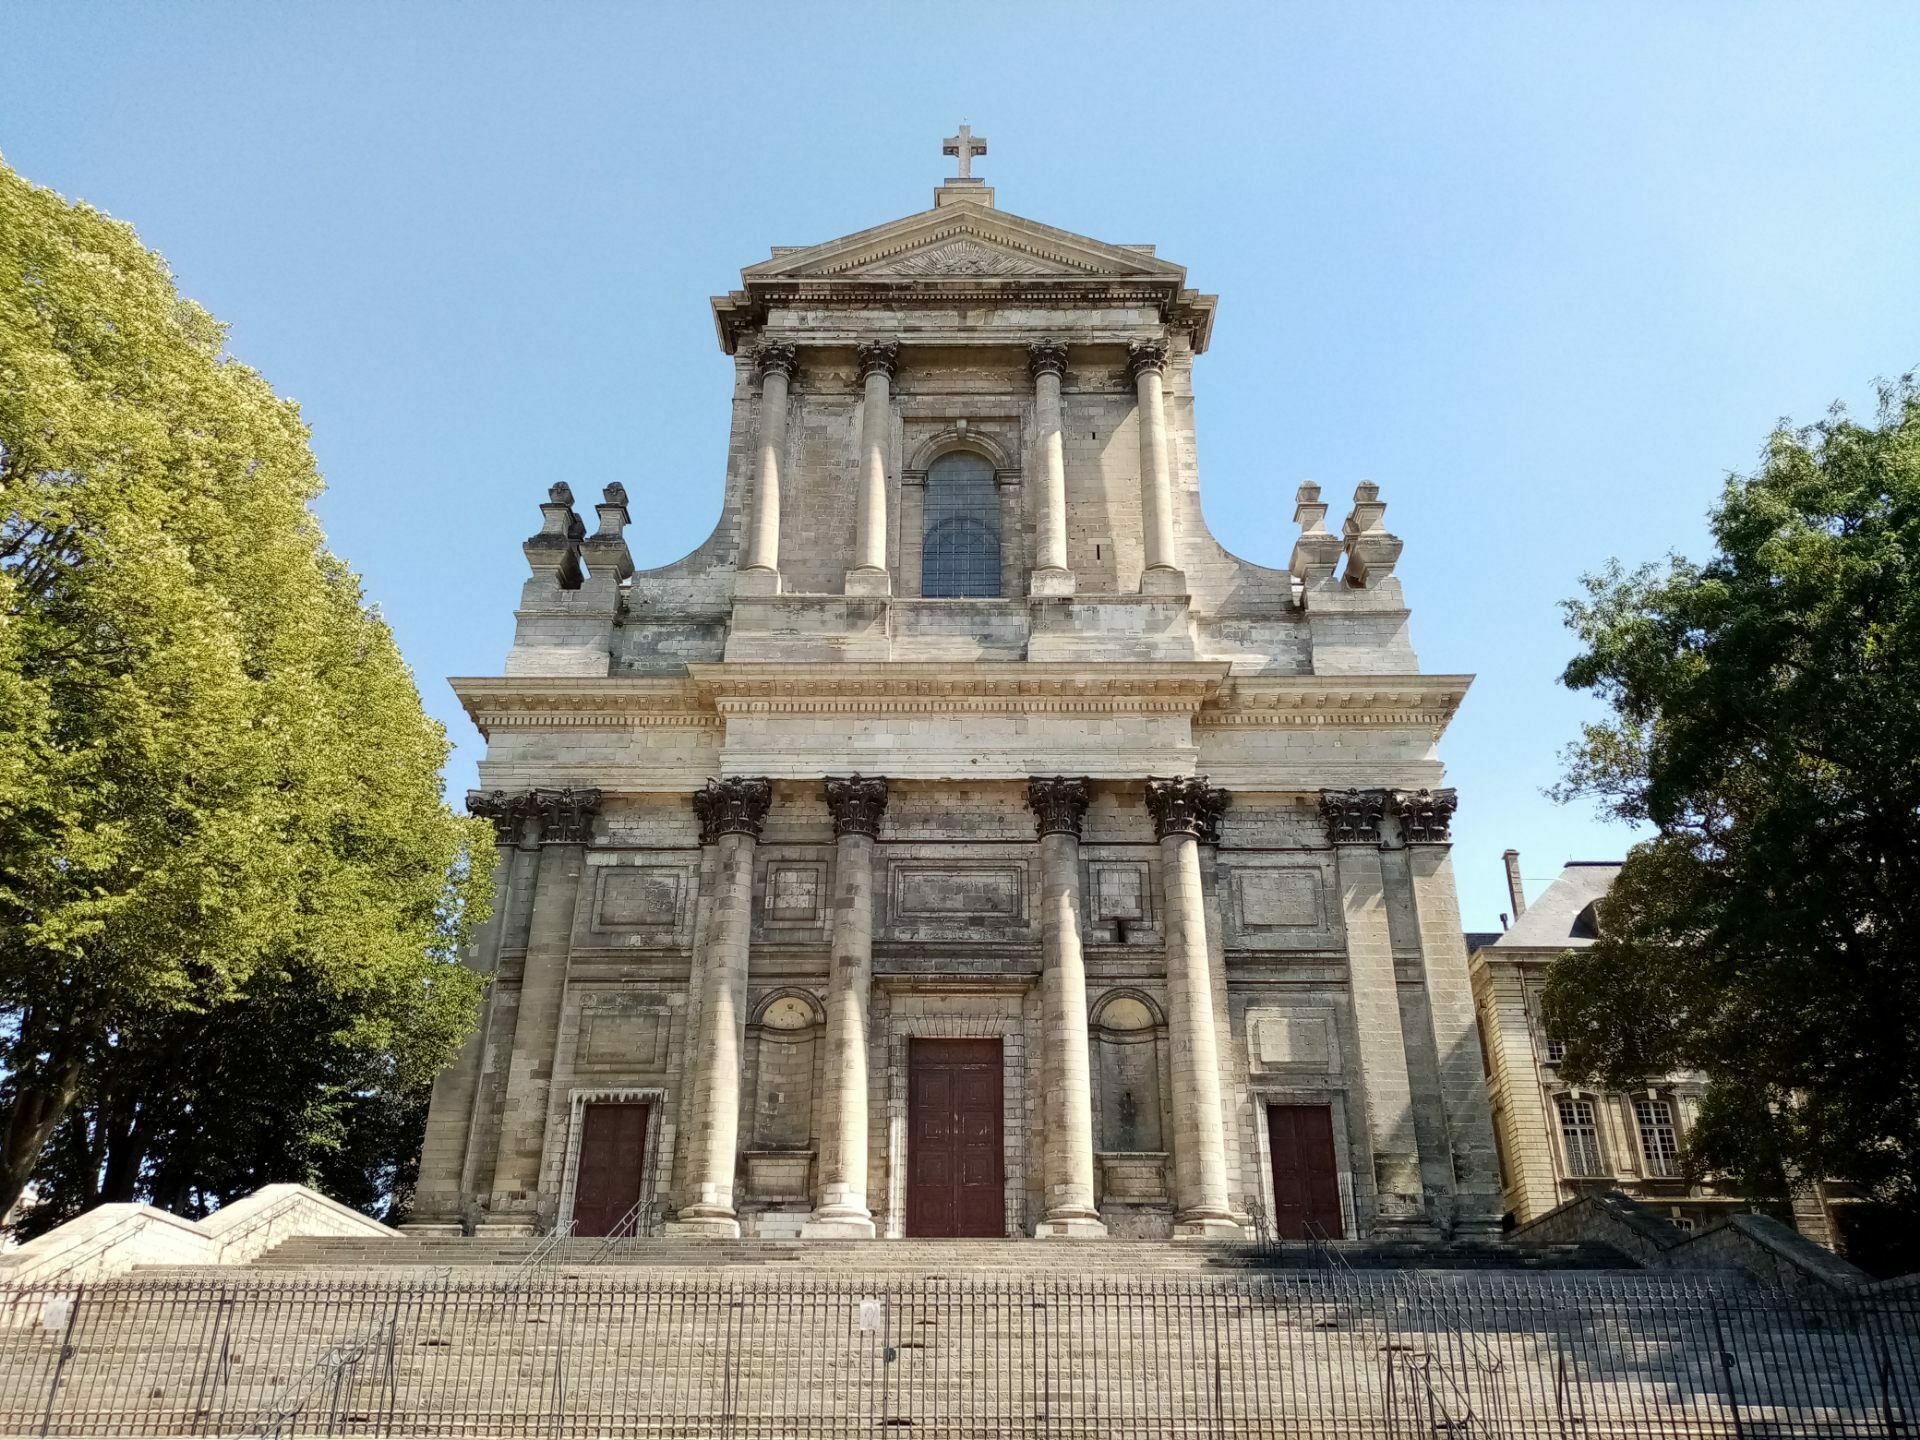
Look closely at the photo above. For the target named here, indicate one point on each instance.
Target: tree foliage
(1766, 722)
(226, 871)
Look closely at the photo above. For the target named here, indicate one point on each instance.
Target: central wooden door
(1306, 1174)
(613, 1157)
(955, 1179)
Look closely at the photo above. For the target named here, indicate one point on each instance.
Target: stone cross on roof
(966, 146)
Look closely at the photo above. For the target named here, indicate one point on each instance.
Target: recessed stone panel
(794, 892)
(626, 1032)
(956, 893)
(639, 897)
(1280, 904)
(1301, 1040)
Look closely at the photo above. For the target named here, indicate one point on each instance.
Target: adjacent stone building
(961, 841)
(1559, 1140)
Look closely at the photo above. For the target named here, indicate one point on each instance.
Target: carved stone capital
(736, 805)
(1047, 357)
(1426, 816)
(785, 359)
(507, 809)
(566, 815)
(1059, 803)
(1145, 355)
(1353, 816)
(857, 803)
(878, 357)
(1186, 805)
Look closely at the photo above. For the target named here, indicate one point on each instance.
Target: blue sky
(1544, 272)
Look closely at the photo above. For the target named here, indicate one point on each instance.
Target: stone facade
(1168, 825)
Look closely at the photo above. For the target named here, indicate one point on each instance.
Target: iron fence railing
(577, 1351)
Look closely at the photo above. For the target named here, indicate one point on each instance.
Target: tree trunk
(30, 1120)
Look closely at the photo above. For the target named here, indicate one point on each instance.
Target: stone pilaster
(689, 1104)
(566, 823)
(1059, 805)
(1425, 819)
(445, 1188)
(760, 560)
(857, 803)
(869, 575)
(1147, 362)
(1353, 827)
(732, 811)
(1048, 361)
(1184, 810)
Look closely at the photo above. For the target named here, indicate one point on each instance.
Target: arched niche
(783, 1044)
(1128, 1032)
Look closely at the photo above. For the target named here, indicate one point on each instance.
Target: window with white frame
(1580, 1135)
(1556, 1050)
(1659, 1141)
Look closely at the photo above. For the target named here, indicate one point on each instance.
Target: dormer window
(960, 542)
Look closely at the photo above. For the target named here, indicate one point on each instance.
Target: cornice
(708, 695)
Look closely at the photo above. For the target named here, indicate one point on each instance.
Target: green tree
(216, 779)
(1766, 723)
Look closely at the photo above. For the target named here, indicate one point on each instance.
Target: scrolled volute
(857, 802)
(1186, 805)
(1353, 816)
(1059, 803)
(736, 805)
(1426, 816)
(566, 814)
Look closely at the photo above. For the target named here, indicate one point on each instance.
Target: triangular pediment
(962, 243)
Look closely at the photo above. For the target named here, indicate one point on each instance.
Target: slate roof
(1551, 921)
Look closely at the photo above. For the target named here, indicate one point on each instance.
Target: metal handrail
(639, 1221)
(543, 1255)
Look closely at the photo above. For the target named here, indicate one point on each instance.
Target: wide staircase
(666, 1338)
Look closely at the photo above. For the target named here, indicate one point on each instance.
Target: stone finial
(1426, 816)
(1371, 551)
(1353, 816)
(1145, 355)
(1316, 553)
(1059, 803)
(1186, 805)
(878, 357)
(857, 802)
(736, 805)
(507, 809)
(606, 550)
(784, 359)
(1047, 357)
(566, 814)
(555, 549)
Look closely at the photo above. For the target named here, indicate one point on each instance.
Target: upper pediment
(962, 243)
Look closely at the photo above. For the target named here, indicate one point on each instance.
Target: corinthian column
(857, 803)
(1146, 360)
(732, 811)
(566, 824)
(1184, 810)
(1048, 360)
(761, 562)
(1060, 807)
(869, 575)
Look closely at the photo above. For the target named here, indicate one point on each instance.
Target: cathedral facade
(961, 841)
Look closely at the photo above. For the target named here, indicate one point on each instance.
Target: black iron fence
(1320, 1354)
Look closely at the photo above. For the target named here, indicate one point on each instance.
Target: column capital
(566, 815)
(1353, 816)
(783, 359)
(1144, 355)
(1186, 805)
(878, 357)
(1059, 803)
(1426, 816)
(736, 805)
(507, 809)
(1047, 357)
(857, 803)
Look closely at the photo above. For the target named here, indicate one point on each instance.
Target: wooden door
(955, 1180)
(613, 1155)
(1306, 1177)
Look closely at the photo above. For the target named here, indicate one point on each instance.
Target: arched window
(960, 546)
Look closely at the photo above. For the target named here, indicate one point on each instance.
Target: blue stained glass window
(960, 546)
